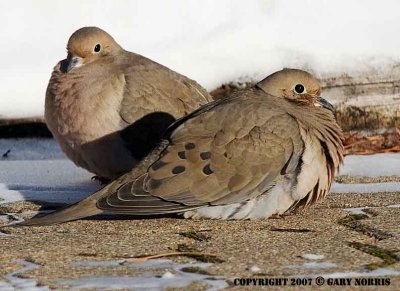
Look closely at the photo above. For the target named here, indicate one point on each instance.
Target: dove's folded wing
(151, 87)
(226, 152)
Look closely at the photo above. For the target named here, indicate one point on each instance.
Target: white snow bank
(209, 41)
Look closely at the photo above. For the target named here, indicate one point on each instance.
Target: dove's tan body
(247, 156)
(87, 106)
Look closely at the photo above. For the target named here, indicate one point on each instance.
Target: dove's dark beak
(74, 62)
(324, 103)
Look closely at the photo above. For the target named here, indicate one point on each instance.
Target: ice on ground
(174, 277)
(254, 269)
(209, 41)
(358, 210)
(167, 275)
(13, 282)
(37, 170)
(394, 206)
(312, 257)
(98, 263)
(30, 149)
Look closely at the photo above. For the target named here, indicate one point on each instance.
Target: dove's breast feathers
(101, 98)
(81, 109)
(87, 107)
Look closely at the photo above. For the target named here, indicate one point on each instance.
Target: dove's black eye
(299, 89)
(97, 48)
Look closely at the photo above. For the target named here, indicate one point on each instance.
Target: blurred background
(352, 46)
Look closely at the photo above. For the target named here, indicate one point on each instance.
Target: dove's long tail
(84, 208)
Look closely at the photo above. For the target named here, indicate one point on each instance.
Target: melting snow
(254, 269)
(312, 257)
(13, 282)
(357, 210)
(173, 277)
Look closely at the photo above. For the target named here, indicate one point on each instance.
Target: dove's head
(89, 44)
(296, 86)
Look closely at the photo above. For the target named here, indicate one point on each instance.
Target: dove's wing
(226, 152)
(151, 87)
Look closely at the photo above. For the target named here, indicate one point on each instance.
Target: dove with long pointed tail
(100, 90)
(259, 152)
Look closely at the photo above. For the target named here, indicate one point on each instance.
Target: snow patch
(13, 282)
(358, 210)
(254, 269)
(394, 206)
(174, 277)
(167, 275)
(312, 257)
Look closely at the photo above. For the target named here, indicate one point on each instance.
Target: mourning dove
(257, 153)
(100, 89)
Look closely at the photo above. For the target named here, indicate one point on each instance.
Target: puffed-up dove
(100, 90)
(256, 153)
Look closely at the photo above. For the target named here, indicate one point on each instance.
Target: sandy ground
(346, 242)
